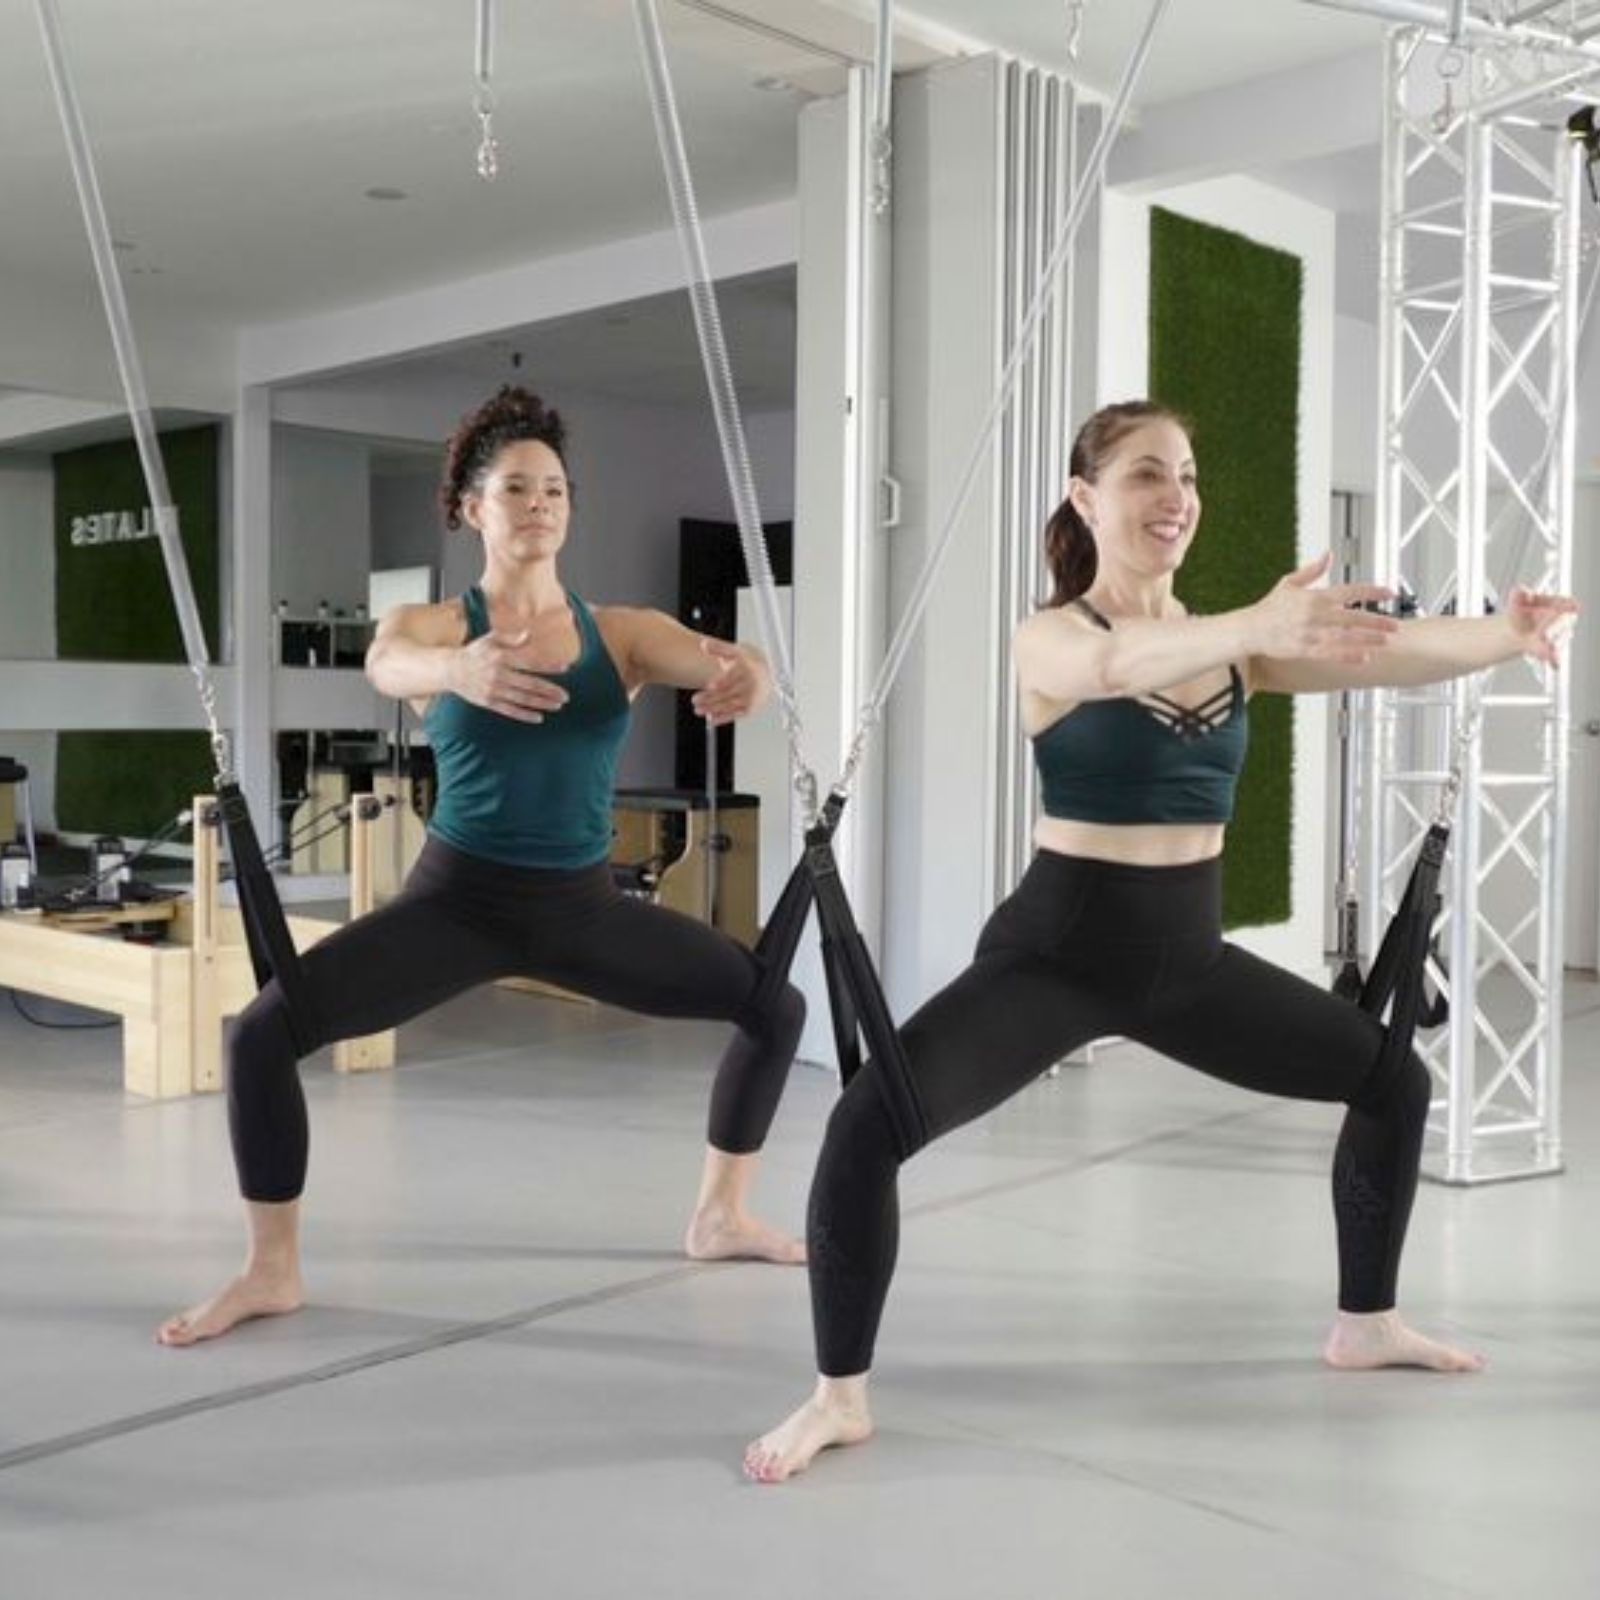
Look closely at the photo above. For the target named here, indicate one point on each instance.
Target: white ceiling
(236, 140)
(643, 351)
(1202, 44)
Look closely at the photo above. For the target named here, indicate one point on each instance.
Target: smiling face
(521, 504)
(1144, 503)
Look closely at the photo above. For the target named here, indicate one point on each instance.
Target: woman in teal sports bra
(1138, 715)
(526, 692)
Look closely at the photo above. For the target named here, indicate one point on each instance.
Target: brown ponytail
(1069, 547)
(1070, 554)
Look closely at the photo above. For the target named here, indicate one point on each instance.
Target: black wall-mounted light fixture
(1583, 126)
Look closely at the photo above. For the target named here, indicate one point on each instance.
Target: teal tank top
(532, 794)
(1144, 760)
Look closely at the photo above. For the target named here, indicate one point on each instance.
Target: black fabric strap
(859, 1011)
(1089, 611)
(266, 930)
(1399, 971)
(858, 977)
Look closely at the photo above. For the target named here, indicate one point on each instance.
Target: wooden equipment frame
(174, 997)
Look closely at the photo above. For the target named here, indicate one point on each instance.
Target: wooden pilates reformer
(174, 995)
(671, 845)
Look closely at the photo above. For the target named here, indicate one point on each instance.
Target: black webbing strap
(841, 1008)
(780, 938)
(266, 930)
(856, 1003)
(1399, 972)
(851, 973)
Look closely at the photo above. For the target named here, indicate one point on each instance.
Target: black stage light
(1584, 127)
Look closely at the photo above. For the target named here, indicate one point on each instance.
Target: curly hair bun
(510, 415)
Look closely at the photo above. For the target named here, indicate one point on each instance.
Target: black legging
(1083, 950)
(462, 921)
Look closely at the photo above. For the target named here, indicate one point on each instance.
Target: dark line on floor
(424, 1344)
(468, 1332)
(1065, 1169)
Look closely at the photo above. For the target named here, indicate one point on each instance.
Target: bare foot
(836, 1414)
(254, 1293)
(719, 1235)
(1362, 1342)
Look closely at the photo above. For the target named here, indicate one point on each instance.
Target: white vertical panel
(1035, 437)
(839, 558)
(251, 601)
(942, 719)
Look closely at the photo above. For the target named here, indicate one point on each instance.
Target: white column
(251, 599)
(839, 557)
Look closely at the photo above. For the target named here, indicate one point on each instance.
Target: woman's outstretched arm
(1435, 649)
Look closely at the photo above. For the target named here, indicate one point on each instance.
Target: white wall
(407, 527)
(941, 713)
(1285, 223)
(1356, 406)
(321, 521)
(27, 559)
(28, 606)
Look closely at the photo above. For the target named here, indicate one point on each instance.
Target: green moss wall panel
(112, 600)
(113, 606)
(1225, 351)
(128, 783)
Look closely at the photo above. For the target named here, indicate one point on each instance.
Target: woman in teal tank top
(1137, 712)
(525, 690)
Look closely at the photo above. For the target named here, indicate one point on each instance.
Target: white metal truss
(1481, 223)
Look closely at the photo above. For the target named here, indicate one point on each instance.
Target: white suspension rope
(483, 101)
(883, 111)
(131, 371)
(724, 400)
(1087, 186)
(713, 349)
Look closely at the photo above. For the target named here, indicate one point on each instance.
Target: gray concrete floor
(1098, 1375)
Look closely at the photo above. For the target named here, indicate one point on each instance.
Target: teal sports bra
(1148, 759)
(532, 794)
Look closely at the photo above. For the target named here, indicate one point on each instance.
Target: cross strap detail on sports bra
(1146, 759)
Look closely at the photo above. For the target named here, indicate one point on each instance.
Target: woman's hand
(1295, 621)
(741, 684)
(492, 671)
(1540, 622)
